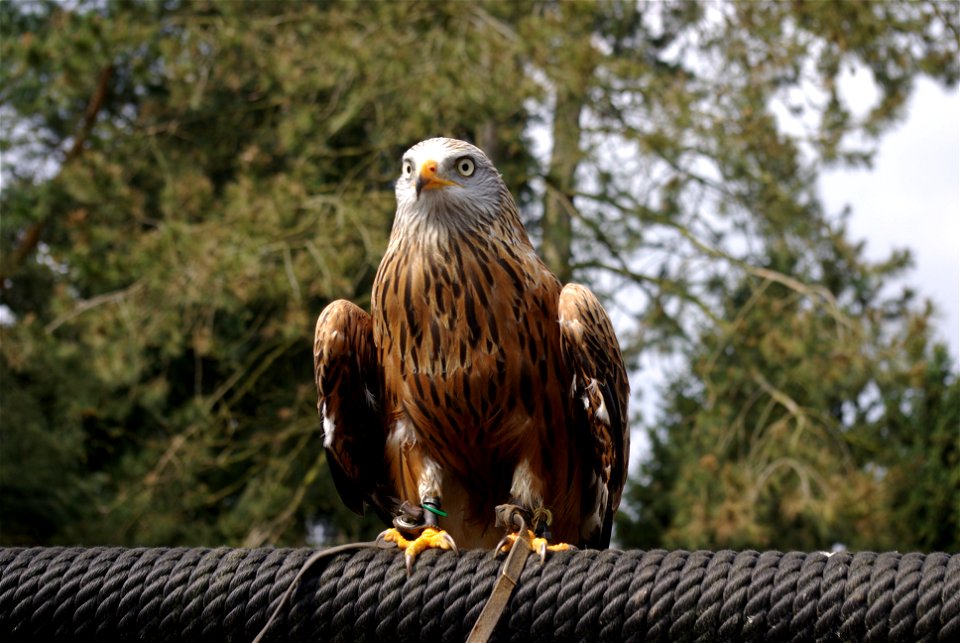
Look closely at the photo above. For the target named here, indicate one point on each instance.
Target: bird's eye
(465, 166)
(407, 167)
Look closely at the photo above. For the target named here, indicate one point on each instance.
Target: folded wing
(348, 400)
(592, 354)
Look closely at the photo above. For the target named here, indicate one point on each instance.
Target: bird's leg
(431, 512)
(514, 518)
(542, 519)
(424, 521)
(428, 532)
(526, 508)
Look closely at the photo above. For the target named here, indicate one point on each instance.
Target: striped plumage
(477, 379)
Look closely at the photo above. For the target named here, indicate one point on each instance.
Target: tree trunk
(571, 77)
(561, 183)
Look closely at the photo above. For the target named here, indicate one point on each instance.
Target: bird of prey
(478, 380)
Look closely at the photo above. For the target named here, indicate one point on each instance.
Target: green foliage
(780, 430)
(187, 184)
(800, 426)
(236, 177)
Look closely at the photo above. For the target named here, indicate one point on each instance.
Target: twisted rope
(209, 595)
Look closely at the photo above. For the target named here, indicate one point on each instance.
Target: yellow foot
(539, 545)
(429, 538)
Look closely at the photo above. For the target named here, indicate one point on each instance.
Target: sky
(911, 198)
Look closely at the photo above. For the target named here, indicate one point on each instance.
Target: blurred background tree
(186, 184)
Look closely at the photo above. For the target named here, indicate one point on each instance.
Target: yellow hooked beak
(428, 178)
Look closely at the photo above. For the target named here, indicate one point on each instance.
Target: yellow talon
(429, 538)
(539, 545)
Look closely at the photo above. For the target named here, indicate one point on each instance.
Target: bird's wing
(592, 354)
(348, 400)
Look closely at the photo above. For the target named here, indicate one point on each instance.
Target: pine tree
(186, 184)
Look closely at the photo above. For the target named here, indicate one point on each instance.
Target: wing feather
(349, 402)
(592, 354)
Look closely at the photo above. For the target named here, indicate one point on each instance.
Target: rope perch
(208, 595)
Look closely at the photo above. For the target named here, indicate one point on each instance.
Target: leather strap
(503, 587)
(323, 553)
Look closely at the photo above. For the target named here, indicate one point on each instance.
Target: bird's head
(450, 181)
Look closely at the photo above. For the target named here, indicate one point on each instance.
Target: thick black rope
(209, 595)
(305, 569)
